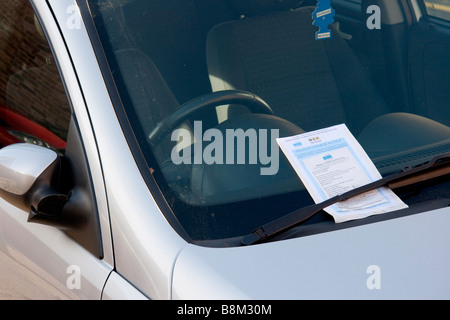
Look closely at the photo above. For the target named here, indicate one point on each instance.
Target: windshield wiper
(436, 167)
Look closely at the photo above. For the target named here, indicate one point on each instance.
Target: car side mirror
(54, 189)
(29, 177)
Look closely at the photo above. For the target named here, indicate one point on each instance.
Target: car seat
(275, 55)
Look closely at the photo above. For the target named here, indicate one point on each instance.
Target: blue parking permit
(323, 16)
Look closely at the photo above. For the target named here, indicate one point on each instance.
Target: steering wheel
(210, 100)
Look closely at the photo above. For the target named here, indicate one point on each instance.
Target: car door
(411, 42)
(429, 49)
(377, 30)
(44, 258)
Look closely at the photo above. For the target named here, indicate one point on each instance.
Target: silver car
(139, 153)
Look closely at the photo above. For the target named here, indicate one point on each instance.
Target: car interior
(237, 45)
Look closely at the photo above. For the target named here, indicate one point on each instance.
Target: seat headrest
(250, 8)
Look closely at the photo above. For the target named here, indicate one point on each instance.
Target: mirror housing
(17, 172)
(29, 177)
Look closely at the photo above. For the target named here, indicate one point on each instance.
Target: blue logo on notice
(327, 157)
(297, 144)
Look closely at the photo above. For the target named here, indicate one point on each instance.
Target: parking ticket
(331, 162)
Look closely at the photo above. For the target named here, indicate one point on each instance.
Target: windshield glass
(208, 87)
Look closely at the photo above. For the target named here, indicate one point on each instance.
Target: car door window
(34, 106)
(438, 8)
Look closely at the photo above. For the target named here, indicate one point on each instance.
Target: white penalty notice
(331, 162)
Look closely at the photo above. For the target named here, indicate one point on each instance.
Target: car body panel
(117, 288)
(384, 260)
(44, 258)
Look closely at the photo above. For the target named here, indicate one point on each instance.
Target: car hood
(402, 258)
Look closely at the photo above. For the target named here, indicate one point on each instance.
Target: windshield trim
(147, 172)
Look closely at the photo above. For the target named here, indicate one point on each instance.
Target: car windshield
(209, 85)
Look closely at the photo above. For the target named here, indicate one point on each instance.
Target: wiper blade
(438, 166)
